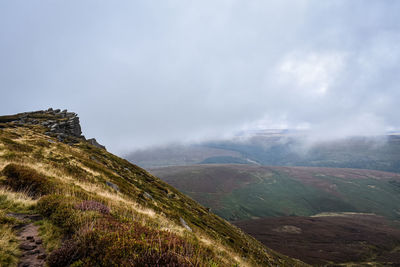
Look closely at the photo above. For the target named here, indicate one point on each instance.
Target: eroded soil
(33, 252)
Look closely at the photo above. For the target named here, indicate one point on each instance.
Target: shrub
(111, 243)
(48, 204)
(60, 210)
(93, 205)
(23, 178)
(65, 255)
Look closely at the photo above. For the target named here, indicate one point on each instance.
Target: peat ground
(351, 238)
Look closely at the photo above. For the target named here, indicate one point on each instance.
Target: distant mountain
(280, 148)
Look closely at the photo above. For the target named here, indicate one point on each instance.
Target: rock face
(68, 126)
(60, 124)
(63, 125)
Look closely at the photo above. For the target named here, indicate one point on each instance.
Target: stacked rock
(61, 124)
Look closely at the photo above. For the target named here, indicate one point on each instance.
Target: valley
(238, 192)
(316, 214)
(335, 239)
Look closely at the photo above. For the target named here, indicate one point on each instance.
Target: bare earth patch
(33, 252)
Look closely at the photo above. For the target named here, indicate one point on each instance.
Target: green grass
(250, 191)
(51, 235)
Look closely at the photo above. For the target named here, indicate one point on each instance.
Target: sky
(146, 73)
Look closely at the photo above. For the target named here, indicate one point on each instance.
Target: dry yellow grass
(17, 197)
(9, 251)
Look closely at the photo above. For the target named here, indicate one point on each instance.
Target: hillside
(319, 215)
(367, 240)
(238, 192)
(283, 149)
(92, 208)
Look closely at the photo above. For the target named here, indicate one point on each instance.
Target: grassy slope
(78, 173)
(238, 192)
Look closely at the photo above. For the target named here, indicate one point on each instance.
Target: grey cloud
(142, 73)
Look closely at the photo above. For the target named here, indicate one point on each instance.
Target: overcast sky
(143, 73)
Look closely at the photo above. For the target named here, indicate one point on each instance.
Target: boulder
(94, 142)
(184, 224)
(112, 185)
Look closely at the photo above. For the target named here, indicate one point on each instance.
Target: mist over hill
(280, 148)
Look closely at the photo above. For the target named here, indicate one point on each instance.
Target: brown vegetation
(340, 238)
(22, 178)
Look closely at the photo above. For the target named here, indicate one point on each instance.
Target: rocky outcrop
(66, 124)
(94, 142)
(61, 124)
(57, 121)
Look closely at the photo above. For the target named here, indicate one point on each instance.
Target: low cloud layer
(142, 73)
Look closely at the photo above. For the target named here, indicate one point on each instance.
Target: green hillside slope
(238, 192)
(92, 208)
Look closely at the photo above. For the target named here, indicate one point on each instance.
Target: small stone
(35, 217)
(38, 242)
(27, 246)
(147, 195)
(32, 252)
(29, 237)
(112, 185)
(41, 256)
(94, 142)
(184, 224)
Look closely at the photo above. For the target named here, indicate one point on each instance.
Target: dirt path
(33, 252)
